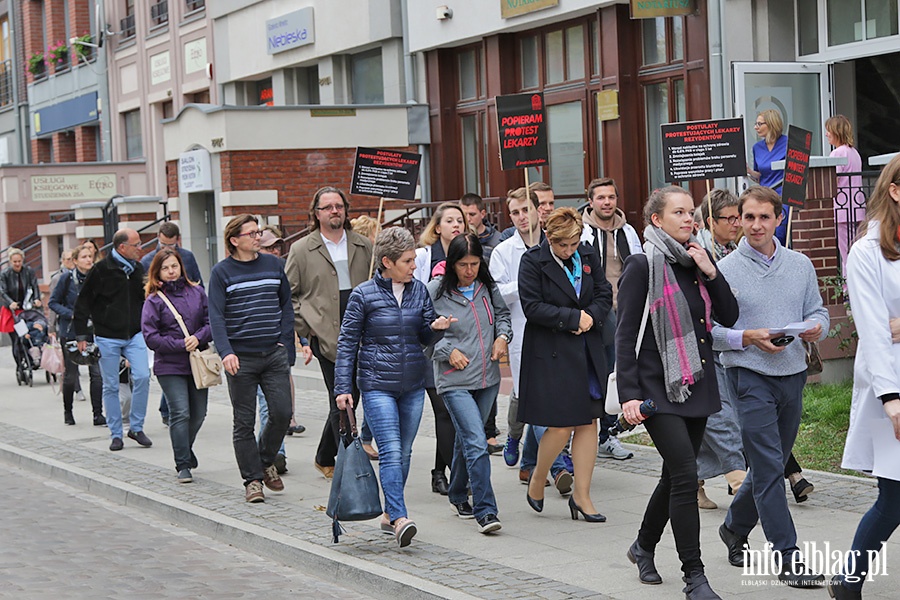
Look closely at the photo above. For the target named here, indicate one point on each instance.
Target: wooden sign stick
(377, 229)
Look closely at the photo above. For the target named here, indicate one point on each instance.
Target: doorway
(203, 233)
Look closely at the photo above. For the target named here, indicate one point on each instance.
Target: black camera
(782, 340)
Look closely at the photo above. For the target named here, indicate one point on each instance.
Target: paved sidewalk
(543, 555)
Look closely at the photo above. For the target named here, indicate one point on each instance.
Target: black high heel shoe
(574, 509)
(537, 505)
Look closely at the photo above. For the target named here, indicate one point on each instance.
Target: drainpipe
(409, 70)
(20, 104)
(106, 111)
(720, 98)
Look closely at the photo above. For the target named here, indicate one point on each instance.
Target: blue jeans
(769, 409)
(187, 410)
(530, 449)
(269, 370)
(394, 418)
(469, 410)
(135, 352)
(163, 406)
(264, 417)
(875, 527)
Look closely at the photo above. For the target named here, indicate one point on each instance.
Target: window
(366, 78)
(127, 23)
(857, 20)
(474, 150)
(808, 26)
(659, 110)
(656, 35)
(134, 146)
(265, 94)
(5, 63)
(565, 142)
(159, 13)
(528, 52)
(471, 74)
(192, 5)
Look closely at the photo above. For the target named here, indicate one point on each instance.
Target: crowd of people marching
(688, 320)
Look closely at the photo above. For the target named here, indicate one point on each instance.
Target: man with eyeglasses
(251, 319)
(606, 229)
(112, 298)
(323, 268)
(169, 236)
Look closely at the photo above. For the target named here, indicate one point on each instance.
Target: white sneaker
(613, 449)
(79, 395)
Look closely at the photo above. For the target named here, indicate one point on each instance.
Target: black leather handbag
(354, 488)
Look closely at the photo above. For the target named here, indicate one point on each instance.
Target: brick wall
(41, 150)
(21, 224)
(33, 28)
(64, 147)
(79, 17)
(55, 13)
(172, 178)
(86, 144)
(296, 175)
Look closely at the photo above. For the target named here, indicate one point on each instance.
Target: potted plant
(36, 64)
(80, 47)
(58, 53)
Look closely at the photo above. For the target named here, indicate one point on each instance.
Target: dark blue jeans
(769, 409)
(876, 527)
(533, 435)
(187, 410)
(469, 410)
(271, 372)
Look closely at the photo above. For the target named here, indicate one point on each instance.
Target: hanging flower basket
(58, 53)
(80, 47)
(36, 64)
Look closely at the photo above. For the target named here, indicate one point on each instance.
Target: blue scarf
(468, 291)
(574, 275)
(127, 265)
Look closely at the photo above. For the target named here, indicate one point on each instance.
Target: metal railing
(853, 191)
(192, 5)
(127, 26)
(159, 13)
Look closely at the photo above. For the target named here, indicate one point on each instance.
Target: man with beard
(322, 269)
(615, 240)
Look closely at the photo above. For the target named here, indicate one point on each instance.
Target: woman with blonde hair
(447, 222)
(173, 303)
(565, 297)
(851, 198)
(873, 280)
(366, 226)
(771, 147)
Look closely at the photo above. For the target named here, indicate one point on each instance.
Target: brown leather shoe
(254, 492)
(327, 472)
(371, 452)
(272, 479)
(525, 475)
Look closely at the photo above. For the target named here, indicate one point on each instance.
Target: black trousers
(444, 431)
(675, 498)
(328, 443)
(70, 384)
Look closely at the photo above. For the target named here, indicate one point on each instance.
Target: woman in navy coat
(565, 297)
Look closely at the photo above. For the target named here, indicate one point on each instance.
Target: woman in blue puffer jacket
(388, 320)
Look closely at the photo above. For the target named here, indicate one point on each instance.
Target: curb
(310, 559)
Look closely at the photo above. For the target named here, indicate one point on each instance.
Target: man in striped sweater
(251, 317)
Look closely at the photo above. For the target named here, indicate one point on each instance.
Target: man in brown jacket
(322, 269)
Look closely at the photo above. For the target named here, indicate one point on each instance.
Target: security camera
(444, 13)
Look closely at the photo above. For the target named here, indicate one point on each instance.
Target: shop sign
(608, 105)
(704, 149)
(385, 173)
(290, 31)
(523, 131)
(195, 56)
(72, 188)
(650, 9)
(160, 68)
(514, 8)
(796, 166)
(194, 172)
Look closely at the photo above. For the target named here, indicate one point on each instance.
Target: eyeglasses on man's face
(731, 220)
(331, 208)
(252, 234)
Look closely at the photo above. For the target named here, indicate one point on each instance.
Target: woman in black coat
(676, 284)
(565, 297)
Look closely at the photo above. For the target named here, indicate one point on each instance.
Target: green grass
(823, 428)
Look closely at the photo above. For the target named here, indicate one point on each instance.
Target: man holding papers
(774, 287)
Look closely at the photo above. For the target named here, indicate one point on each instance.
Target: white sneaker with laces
(613, 449)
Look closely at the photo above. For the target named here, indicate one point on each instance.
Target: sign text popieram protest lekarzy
(523, 131)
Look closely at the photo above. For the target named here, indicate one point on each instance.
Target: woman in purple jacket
(163, 334)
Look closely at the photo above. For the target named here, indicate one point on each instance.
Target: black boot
(837, 590)
(644, 561)
(70, 419)
(68, 400)
(697, 587)
(439, 483)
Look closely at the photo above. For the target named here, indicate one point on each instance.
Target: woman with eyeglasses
(771, 147)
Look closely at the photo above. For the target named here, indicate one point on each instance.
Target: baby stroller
(31, 328)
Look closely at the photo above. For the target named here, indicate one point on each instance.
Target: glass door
(565, 131)
(801, 92)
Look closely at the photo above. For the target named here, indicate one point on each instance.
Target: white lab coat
(504, 268)
(874, 285)
(423, 264)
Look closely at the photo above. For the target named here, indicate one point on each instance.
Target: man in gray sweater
(774, 287)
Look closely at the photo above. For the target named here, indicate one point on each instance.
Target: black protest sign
(523, 131)
(385, 173)
(796, 166)
(704, 149)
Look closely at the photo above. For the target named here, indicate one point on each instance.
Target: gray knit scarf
(670, 314)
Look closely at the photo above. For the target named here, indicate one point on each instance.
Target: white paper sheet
(794, 329)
